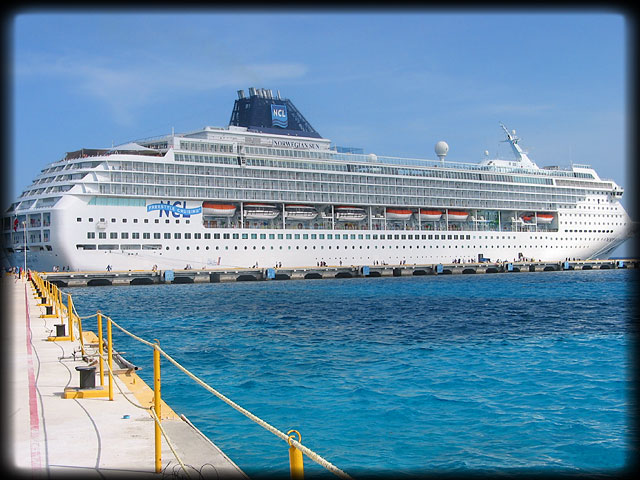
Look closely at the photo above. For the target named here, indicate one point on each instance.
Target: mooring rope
(153, 415)
(308, 452)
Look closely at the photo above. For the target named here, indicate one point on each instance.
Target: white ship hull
(296, 247)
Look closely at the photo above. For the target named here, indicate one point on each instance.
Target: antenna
(441, 149)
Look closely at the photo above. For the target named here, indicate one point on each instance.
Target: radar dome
(441, 149)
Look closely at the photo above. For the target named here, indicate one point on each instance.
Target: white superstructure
(272, 194)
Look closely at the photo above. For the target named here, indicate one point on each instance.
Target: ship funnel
(241, 94)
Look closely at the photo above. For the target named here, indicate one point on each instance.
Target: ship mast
(520, 154)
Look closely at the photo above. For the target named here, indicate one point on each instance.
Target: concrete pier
(149, 277)
(48, 435)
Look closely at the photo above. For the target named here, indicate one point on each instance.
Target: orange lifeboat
(213, 209)
(398, 214)
(430, 215)
(457, 216)
(544, 217)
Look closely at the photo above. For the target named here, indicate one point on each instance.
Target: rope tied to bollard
(287, 438)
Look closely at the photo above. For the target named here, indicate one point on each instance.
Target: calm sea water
(524, 371)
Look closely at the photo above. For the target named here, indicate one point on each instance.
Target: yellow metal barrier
(296, 449)
(110, 357)
(157, 406)
(100, 349)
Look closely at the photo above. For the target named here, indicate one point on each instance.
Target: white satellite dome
(441, 149)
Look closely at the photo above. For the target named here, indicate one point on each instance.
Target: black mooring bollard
(60, 330)
(49, 309)
(87, 376)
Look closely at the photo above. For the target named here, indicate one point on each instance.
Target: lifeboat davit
(544, 217)
(398, 214)
(350, 214)
(260, 211)
(212, 209)
(457, 216)
(300, 212)
(430, 215)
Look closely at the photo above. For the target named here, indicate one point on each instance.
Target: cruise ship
(268, 190)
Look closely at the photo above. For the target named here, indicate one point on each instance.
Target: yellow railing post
(100, 349)
(296, 463)
(70, 312)
(157, 406)
(60, 316)
(80, 337)
(110, 357)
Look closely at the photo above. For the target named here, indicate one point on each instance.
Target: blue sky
(390, 82)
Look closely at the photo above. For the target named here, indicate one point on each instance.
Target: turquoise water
(491, 373)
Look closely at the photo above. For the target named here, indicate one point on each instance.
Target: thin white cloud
(127, 87)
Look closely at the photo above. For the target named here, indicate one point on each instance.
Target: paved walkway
(48, 435)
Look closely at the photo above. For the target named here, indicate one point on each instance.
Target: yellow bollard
(157, 406)
(296, 463)
(110, 357)
(100, 349)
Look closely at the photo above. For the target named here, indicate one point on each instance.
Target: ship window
(124, 235)
(102, 235)
(156, 221)
(78, 219)
(167, 236)
(225, 236)
(156, 235)
(177, 236)
(91, 235)
(124, 220)
(90, 219)
(113, 235)
(146, 235)
(187, 236)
